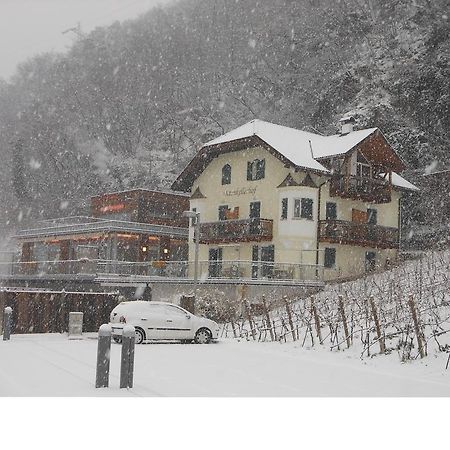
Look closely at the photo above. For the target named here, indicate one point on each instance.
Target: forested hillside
(129, 104)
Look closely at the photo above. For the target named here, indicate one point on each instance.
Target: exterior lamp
(144, 248)
(195, 216)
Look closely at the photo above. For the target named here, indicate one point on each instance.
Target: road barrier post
(7, 323)
(103, 356)
(127, 360)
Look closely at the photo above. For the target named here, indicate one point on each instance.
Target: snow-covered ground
(51, 365)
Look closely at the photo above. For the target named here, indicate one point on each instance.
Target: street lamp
(195, 216)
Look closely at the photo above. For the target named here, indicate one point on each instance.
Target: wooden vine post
(250, 319)
(266, 313)
(377, 325)
(412, 306)
(289, 314)
(344, 319)
(316, 320)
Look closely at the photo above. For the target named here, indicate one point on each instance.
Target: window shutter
(307, 208)
(330, 257)
(371, 216)
(260, 169)
(249, 170)
(284, 208)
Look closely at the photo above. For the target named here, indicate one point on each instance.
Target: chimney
(347, 124)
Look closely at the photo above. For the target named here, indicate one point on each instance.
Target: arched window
(226, 174)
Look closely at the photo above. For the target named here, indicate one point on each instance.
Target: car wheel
(139, 336)
(117, 339)
(203, 336)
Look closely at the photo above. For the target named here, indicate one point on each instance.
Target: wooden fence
(48, 312)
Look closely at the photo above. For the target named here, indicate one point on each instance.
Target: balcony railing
(243, 230)
(360, 188)
(231, 271)
(105, 226)
(364, 234)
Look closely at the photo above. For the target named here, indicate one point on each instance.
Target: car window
(173, 310)
(157, 309)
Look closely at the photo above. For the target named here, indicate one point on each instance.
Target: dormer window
(226, 174)
(256, 169)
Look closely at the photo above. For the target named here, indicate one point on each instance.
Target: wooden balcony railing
(360, 188)
(364, 234)
(243, 230)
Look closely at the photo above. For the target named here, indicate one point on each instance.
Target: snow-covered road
(52, 365)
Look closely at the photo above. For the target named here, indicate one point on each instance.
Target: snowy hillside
(403, 312)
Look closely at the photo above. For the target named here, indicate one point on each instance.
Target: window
(223, 210)
(331, 211)
(226, 174)
(303, 208)
(284, 208)
(174, 311)
(330, 258)
(256, 169)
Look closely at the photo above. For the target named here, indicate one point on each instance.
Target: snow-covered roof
(300, 147)
(400, 182)
(303, 149)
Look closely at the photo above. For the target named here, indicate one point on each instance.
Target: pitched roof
(300, 148)
(401, 183)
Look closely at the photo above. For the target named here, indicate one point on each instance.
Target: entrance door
(267, 259)
(262, 261)
(215, 263)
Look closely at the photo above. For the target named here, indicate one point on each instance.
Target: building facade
(126, 232)
(279, 203)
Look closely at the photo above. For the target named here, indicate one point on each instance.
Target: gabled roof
(297, 148)
(300, 147)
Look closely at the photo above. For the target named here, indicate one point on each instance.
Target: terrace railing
(240, 230)
(360, 188)
(208, 270)
(365, 234)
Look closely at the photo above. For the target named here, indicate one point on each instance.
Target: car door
(178, 323)
(153, 319)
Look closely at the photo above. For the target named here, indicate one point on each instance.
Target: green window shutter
(284, 208)
(260, 169)
(330, 258)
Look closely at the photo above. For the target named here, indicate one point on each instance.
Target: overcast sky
(29, 27)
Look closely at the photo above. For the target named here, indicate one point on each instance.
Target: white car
(161, 321)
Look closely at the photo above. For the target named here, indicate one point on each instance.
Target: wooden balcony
(244, 230)
(363, 234)
(360, 188)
